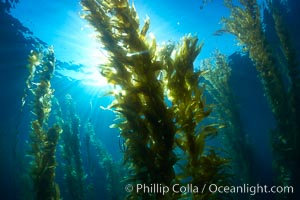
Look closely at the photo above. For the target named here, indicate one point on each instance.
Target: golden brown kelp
(218, 87)
(72, 165)
(204, 165)
(147, 124)
(245, 22)
(142, 76)
(43, 139)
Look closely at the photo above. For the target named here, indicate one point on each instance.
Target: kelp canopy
(144, 76)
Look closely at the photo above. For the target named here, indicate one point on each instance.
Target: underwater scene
(161, 99)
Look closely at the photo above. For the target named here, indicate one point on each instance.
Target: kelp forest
(180, 125)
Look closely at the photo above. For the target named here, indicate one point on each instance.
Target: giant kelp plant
(189, 111)
(43, 138)
(218, 87)
(147, 125)
(280, 80)
(143, 77)
(71, 146)
(113, 170)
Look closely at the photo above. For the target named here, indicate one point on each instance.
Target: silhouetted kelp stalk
(43, 139)
(245, 22)
(291, 70)
(71, 154)
(218, 88)
(150, 128)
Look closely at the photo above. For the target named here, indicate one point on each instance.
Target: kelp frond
(43, 139)
(151, 128)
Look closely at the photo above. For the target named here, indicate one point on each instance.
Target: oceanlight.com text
(250, 189)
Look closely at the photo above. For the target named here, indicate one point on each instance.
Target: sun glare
(74, 41)
(86, 51)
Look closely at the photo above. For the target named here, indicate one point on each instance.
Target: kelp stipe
(43, 139)
(71, 151)
(245, 22)
(113, 170)
(142, 76)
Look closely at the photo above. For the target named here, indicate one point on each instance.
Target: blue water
(25, 23)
